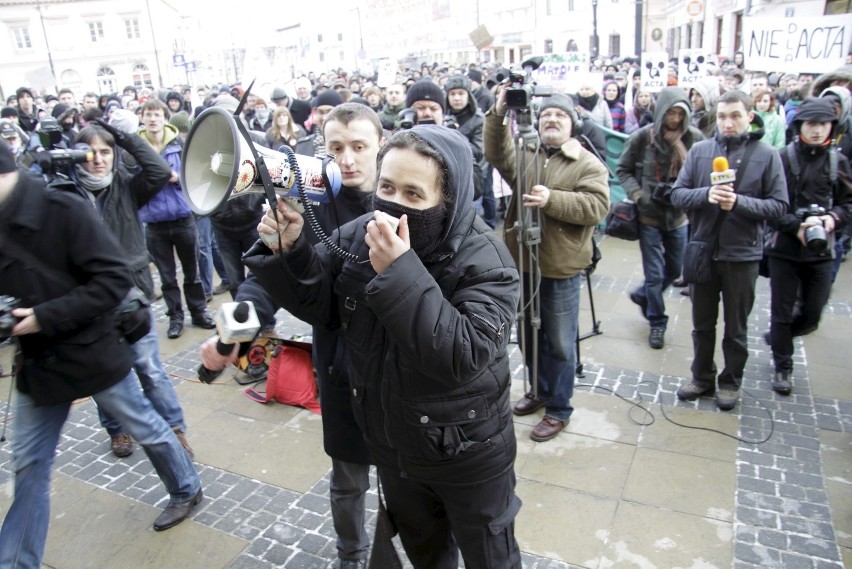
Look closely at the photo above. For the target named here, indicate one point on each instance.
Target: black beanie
(425, 90)
(475, 75)
(7, 160)
(330, 97)
(816, 110)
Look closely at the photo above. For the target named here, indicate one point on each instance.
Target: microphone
(236, 322)
(722, 173)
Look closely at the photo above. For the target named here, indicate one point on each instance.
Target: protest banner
(796, 45)
(692, 64)
(562, 71)
(654, 71)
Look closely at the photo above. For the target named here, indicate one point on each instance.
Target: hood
(825, 80)
(455, 149)
(170, 132)
(841, 93)
(668, 98)
(708, 88)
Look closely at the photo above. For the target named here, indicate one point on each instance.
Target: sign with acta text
(655, 73)
(692, 66)
(796, 45)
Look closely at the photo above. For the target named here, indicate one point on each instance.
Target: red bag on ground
(290, 379)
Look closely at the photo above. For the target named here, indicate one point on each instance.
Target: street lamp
(595, 42)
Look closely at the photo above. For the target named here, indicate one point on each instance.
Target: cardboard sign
(692, 64)
(562, 71)
(796, 45)
(655, 72)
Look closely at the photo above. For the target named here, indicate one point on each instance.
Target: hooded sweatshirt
(426, 339)
(705, 120)
(168, 204)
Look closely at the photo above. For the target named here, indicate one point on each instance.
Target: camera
(48, 155)
(815, 235)
(407, 118)
(7, 320)
(662, 193)
(521, 86)
(451, 122)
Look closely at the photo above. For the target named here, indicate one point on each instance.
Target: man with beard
(651, 160)
(729, 218)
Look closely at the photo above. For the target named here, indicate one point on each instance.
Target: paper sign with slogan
(796, 45)
(387, 73)
(654, 71)
(692, 65)
(562, 70)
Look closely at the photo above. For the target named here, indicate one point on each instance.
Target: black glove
(120, 137)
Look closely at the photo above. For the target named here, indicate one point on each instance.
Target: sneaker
(221, 288)
(781, 383)
(122, 446)
(640, 301)
(655, 338)
(726, 399)
(693, 390)
(181, 437)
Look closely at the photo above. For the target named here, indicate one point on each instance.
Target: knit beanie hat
(331, 98)
(124, 120)
(61, 110)
(22, 90)
(475, 75)
(7, 160)
(425, 90)
(7, 112)
(180, 120)
(174, 95)
(561, 102)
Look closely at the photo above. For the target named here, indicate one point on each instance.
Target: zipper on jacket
(498, 332)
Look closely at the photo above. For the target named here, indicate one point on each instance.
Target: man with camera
(727, 221)
(651, 158)
(801, 246)
(69, 348)
(570, 188)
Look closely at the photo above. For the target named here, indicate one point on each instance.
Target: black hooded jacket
(426, 340)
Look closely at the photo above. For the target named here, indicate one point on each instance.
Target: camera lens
(816, 238)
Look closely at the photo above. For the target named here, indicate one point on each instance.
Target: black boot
(781, 382)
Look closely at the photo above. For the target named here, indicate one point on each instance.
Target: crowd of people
(411, 327)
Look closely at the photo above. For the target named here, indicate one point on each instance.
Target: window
(570, 5)
(96, 31)
(142, 76)
(106, 80)
(321, 56)
(132, 27)
(342, 56)
(615, 45)
(319, 38)
(339, 37)
(22, 37)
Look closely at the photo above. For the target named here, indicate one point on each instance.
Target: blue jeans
(489, 202)
(36, 435)
(557, 342)
(662, 262)
(156, 384)
(205, 252)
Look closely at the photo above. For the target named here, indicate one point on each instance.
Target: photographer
(650, 161)
(801, 248)
(69, 348)
(573, 196)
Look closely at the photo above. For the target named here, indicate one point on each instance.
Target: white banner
(796, 45)
(563, 71)
(692, 66)
(655, 73)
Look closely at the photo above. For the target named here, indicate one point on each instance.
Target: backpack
(290, 379)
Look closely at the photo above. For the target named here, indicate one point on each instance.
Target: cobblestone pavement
(782, 515)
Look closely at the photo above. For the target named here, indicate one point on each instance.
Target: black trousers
(792, 281)
(437, 520)
(735, 284)
(164, 240)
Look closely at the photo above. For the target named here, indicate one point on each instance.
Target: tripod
(528, 230)
(596, 324)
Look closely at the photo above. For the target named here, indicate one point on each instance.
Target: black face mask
(425, 226)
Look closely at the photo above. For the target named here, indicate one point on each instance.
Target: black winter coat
(79, 351)
(426, 339)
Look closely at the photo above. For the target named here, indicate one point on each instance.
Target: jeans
(786, 280)
(232, 245)
(164, 240)
(735, 282)
(662, 261)
(36, 435)
(156, 385)
(205, 253)
(349, 484)
(489, 202)
(557, 342)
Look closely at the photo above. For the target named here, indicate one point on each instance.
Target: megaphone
(218, 165)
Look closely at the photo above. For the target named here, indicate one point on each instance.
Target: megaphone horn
(218, 165)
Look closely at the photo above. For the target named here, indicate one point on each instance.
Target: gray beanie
(562, 102)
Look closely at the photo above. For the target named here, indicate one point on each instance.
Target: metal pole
(47, 45)
(595, 47)
(154, 40)
(638, 39)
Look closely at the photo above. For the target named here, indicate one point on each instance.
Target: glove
(120, 137)
(212, 359)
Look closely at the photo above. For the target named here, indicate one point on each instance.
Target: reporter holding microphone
(727, 219)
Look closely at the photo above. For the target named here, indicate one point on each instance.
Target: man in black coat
(68, 276)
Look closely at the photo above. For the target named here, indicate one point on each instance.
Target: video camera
(522, 87)
(48, 155)
(407, 118)
(815, 235)
(7, 320)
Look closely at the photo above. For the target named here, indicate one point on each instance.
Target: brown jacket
(579, 199)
